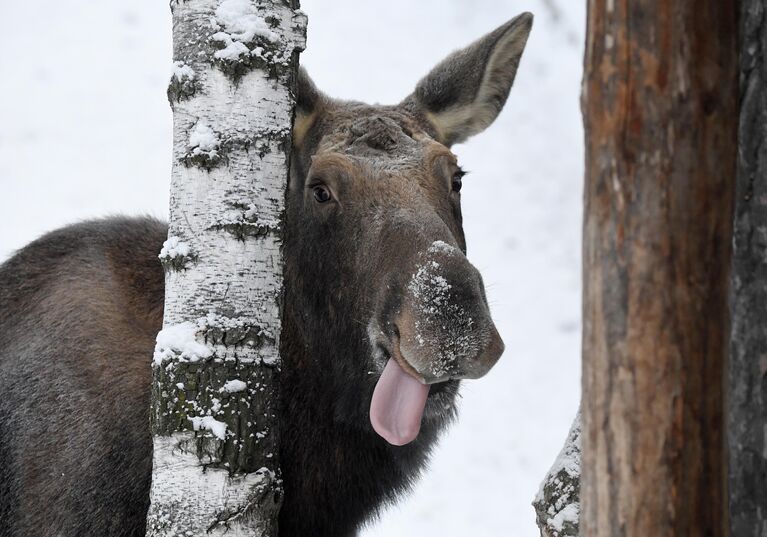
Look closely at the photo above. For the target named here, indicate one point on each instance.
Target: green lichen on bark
(272, 21)
(259, 58)
(234, 332)
(261, 142)
(176, 254)
(177, 262)
(242, 221)
(242, 229)
(204, 160)
(205, 395)
(187, 390)
(180, 89)
(236, 54)
(183, 83)
(237, 394)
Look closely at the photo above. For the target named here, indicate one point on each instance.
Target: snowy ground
(85, 130)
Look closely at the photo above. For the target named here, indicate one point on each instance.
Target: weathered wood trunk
(747, 418)
(660, 102)
(214, 400)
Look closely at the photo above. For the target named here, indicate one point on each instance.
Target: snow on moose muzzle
(444, 332)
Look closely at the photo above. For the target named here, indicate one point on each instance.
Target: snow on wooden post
(660, 101)
(214, 400)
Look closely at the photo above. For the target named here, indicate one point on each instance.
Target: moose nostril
(494, 349)
(383, 350)
(395, 330)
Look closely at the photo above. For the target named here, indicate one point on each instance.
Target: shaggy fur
(80, 308)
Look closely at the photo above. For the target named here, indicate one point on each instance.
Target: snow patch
(233, 50)
(429, 287)
(242, 22)
(442, 247)
(569, 514)
(203, 140)
(442, 327)
(174, 247)
(218, 428)
(179, 341)
(233, 386)
(182, 71)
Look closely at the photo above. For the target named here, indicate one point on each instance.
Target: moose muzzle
(443, 331)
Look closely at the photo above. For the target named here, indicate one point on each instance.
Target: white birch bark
(214, 399)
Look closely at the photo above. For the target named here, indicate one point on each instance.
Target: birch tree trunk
(660, 101)
(747, 406)
(214, 399)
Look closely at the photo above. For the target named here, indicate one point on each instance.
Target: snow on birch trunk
(214, 399)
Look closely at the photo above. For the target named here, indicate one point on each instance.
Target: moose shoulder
(383, 316)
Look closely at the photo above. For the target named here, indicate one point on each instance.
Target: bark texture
(747, 427)
(660, 101)
(214, 400)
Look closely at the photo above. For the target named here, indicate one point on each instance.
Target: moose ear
(308, 100)
(464, 93)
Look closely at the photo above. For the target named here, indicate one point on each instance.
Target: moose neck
(325, 412)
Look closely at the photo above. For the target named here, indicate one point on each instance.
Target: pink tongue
(397, 405)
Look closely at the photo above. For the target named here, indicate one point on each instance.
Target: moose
(383, 316)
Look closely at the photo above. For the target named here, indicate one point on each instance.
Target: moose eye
(457, 182)
(321, 193)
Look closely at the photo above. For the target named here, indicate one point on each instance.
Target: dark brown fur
(80, 308)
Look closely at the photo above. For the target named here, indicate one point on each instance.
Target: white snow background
(85, 131)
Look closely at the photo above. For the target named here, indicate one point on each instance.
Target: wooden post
(660, 103)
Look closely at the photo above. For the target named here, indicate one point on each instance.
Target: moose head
(385, 297)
